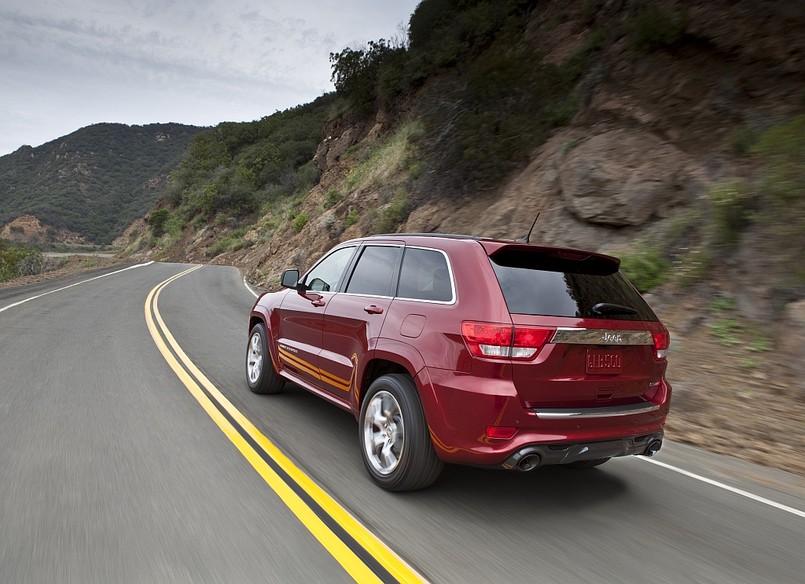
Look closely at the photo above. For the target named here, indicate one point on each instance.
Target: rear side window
(375, 271)
(424, 276)
(558, 287)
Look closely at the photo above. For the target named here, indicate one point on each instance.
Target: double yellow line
(360, 552)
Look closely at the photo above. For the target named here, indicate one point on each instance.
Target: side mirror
(290, 279)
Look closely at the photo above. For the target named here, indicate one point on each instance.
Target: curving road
(112, 470)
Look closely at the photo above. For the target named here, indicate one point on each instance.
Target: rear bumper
(459, 408)
(529, 457)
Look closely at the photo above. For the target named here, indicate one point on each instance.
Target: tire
(260, 373)
(581, 464)
(394, 437)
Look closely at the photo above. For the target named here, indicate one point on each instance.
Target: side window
(326, 275)
(424, 276)
(375, 271)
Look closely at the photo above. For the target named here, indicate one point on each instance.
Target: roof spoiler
(555, 259)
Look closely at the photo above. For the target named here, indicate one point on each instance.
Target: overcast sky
(66, 64)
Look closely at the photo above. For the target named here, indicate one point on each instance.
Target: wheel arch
(388, 357)
(260, 315)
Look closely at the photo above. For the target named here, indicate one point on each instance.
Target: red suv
(469, 350)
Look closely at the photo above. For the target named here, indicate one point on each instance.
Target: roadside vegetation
(20, 260)
(765, 210)
(95, 181)
(237, 172)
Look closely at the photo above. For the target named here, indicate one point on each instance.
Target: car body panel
(353, 325)
(558, 397)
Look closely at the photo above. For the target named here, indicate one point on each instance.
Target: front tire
(394, 436)
(260, 373)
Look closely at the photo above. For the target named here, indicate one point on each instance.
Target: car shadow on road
(555, 488)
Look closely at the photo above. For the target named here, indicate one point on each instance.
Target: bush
(646, 268)
(156, 221)
(780, 215)
(389, 217)
(19, 260)
(652, 28)
(300, 221)
(731, 203)
(507, 106)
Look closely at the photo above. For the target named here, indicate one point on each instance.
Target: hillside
(89, 185)
(671, 134)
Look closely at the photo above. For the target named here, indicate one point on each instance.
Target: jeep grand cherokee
(457, 349)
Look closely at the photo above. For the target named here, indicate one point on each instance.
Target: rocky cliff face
(654, 128)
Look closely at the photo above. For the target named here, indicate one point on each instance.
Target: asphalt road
(111, 471)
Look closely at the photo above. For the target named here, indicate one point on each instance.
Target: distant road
(52, 254)
(115, 470)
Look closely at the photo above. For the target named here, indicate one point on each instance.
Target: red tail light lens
(661, 342)
(500, 432)
(504, 341)
(529, 340)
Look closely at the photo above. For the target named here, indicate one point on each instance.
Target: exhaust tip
(653, 448)
(528, 462)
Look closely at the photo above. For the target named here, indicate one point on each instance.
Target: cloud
(77, 62)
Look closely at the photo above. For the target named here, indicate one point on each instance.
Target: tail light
(503, 340)
(661, 341)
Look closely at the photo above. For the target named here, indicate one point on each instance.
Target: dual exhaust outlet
(529, 458)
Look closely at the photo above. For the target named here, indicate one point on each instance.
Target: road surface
(132, 451)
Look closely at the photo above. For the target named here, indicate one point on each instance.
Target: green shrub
(731, 203)
(300, 221)
(741, 140)
(351, 218)
(652, 28)
(19, 260)
(782, 149)
(231, 242)
(646, 268)
(391, 215)
(332, 198)
(156, 221)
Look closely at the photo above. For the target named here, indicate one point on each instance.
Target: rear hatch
(601, 344)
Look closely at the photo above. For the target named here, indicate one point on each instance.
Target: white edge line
(76, 284)
(249, 288)
(740, 492)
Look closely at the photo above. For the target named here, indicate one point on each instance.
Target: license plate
(604, 361)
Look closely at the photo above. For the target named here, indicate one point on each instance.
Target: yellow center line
(354, 566)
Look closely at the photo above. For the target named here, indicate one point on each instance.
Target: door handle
(317, 302)
(373, 309)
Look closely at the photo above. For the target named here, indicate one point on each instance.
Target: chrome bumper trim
(584, 336)
(604, 412)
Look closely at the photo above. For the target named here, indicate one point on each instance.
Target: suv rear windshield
(551, 286)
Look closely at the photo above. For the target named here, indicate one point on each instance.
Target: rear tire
(260, 373)
(582, 464)
(394, 436)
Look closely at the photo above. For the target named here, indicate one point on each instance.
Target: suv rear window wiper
(603, 308)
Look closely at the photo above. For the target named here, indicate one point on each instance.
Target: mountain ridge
(93, 182)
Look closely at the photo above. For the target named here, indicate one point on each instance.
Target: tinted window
(528, 289)
(375, 271)
(424, 276)
(326, 275)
